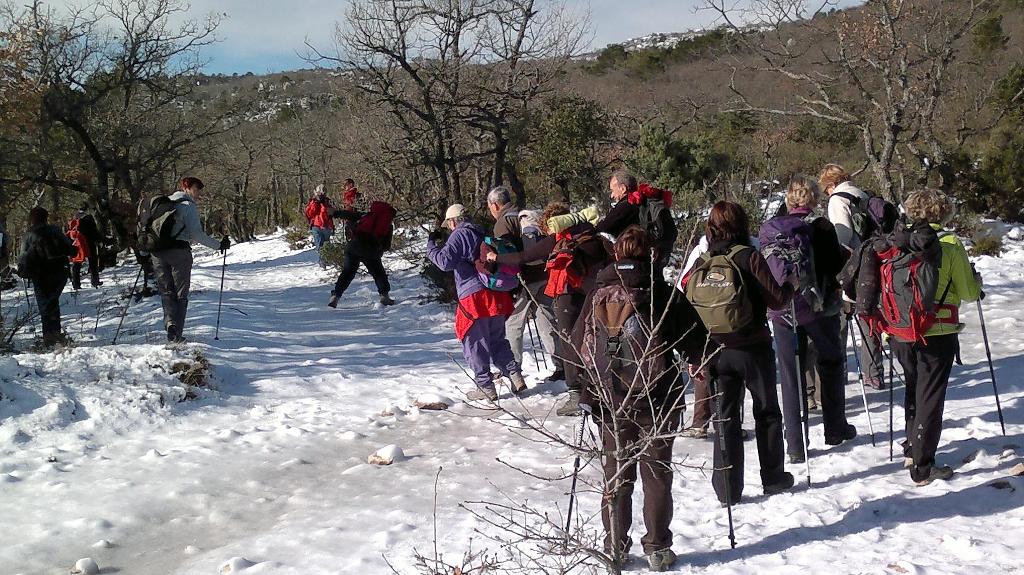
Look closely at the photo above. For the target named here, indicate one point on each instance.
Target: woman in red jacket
(321, 224)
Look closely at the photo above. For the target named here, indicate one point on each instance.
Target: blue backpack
(495, 276)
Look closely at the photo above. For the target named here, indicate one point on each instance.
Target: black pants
(47, 291)
(566, 308)
(655, 462)
(926, 369)
(824, 332)
(94, 273)
(368, 258)
(754, 368)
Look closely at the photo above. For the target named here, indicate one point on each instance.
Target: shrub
(298, 238)
(987, 245)
(333, 252)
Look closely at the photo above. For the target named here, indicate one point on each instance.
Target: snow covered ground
(99, 459)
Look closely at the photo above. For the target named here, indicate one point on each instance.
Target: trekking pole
(802, 387)
(533, 343)
(860, 372)
(127, 304)
(575, 474)
(715, 393)
(991, 367)
(892, 396)
(220, 299)
(28, 305)
(543, 352)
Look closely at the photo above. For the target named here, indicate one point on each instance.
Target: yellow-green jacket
(956, 273)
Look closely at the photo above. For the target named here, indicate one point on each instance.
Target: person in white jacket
(847, 206)
(173, 264)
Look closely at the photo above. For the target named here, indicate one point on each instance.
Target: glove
(225, 243)
(436, 237)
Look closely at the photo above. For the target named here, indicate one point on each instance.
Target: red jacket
(80, 242)
(481, 304)
(318, 213)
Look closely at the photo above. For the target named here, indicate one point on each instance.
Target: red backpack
(78, 239)
(908, 278)
(377, 224)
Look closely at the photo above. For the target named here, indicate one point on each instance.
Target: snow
(266, 472)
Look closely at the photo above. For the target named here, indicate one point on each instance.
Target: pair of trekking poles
(135, 285)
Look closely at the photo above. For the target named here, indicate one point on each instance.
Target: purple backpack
(786, 246)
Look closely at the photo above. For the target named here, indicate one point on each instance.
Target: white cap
(319, 189)
(455, 211)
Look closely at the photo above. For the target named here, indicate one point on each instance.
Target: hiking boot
(875, 383)
(558, 375)
(571, 405)
(695, 433)
(518, 383)
(482, 394)
(333, 302)
(847, 433)
(385, 299)
(943, 472)
(173, 336)
(661, 560)
(795, 458)
(780, 486)
(908, 462)
(147, 291)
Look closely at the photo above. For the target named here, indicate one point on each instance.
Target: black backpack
(157, 230)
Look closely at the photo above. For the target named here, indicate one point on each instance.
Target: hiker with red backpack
(642, 205)
(923, 275)
(482, 307)
(573, 256)
(370, 235)
(522, 229)
(732, 288)
(86, 237)
(798, 244)
(625, 336)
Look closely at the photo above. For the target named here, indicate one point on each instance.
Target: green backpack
(715, 288)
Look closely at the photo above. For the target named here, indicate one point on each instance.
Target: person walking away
(321, 224)
(732, 288)
(573, 257)
(802, 245)
(44, 260)
(168, 233)
(370, 236)
(480, 313)
(847, 210)
(927, 362)
(86, 237)
(624, 335)
(523, 229)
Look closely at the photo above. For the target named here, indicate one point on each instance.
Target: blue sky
(268, 35)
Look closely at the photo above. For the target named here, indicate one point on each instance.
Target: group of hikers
(625, 340)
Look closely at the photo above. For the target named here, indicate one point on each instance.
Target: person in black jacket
(44, 260)
(365, 247)
(628, 200)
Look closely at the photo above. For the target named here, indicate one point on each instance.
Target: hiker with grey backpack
(732, 288)
(912, 291)
(799, 244)
(168, 230)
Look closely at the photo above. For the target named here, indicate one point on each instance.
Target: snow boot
(147, 291)
(558, 375)
(571, 405)
(518, 383)
(695, 433)
(847, 433)
(943, 472)
(661, 560)
(482, 394)
(780, 486)
(385, 299)
(333, 303)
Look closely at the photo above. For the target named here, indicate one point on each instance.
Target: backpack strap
(855, 200)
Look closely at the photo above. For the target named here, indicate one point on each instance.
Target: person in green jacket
(926, 366)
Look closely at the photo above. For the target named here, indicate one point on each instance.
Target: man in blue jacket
(481, 313)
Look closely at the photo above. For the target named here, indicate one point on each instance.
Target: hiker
(523, 229)
(802, 245)
(639, 204)
(848, 212)
(927, 358)
(44, 260)
(169, 230)
(624, 336)
(573, 256)
(732, 288)
(143, 257)
(321, 224)
(7, 280)
(481, 312)
(86, 237)
(369, 237)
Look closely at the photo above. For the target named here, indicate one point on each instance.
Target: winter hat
(319, 191)
(455, 211)
(529, 219)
